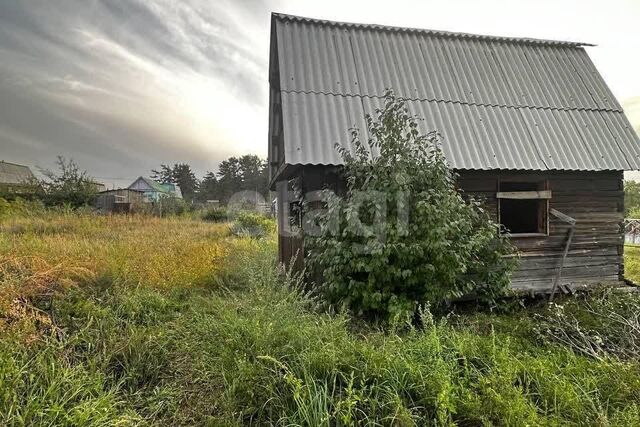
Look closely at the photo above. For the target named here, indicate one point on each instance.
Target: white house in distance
(154, 190)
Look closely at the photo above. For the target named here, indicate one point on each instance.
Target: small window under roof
(523, 207)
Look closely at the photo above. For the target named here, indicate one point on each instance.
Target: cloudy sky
(124, 85)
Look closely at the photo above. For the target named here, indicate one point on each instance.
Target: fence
(632, 231)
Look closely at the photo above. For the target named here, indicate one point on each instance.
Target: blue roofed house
(153, 190)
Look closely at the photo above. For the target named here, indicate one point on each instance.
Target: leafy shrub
(423, 241)
(68, 186)
(252, 224)
(169, 205)
(215, 215)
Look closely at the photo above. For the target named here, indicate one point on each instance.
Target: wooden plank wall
(311, 178)
(290, 247)
(594, 199)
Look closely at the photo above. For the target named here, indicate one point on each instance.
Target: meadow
(132, 320)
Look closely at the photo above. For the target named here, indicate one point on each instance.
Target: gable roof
(498, 102)
(11, 173)
(149, 185)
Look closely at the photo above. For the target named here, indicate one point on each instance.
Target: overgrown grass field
(144, 321)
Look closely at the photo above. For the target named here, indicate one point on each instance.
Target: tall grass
(632, 262)
(140, 321)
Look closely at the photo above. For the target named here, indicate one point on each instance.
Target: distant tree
(68, 185)
(164, 175)
(181, 174)
(229, 178)
(235, 174)
(254, 173)
(208, 189)
(632, 199)
(186, 179)
(248, 172)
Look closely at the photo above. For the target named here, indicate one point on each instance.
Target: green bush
(422, 242)
(69, 186)
(20, 208)
(632, 199)
(215, 215)
(252, 224)
(171, 206)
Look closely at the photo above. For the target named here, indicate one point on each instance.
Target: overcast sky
(124, 85)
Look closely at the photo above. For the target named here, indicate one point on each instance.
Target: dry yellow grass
(47, 253)
(133, 249)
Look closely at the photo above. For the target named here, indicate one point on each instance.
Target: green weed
(224, 337)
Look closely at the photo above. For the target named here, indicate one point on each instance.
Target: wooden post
(572, 223)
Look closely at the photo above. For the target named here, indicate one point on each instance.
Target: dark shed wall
(594, 199)
(290, 247)
(294, 183)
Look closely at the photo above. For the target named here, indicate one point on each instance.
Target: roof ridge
(14, 164)
(438, 33)
(454, 101)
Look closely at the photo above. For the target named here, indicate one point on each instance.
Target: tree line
(248, 172)
(71, 185)
(632, 199)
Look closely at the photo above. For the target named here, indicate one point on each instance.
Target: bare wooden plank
(585, 229)
(541, 263)
(589, 272)
(573, 253)
(524, 195)
(562, 217)
(539, 286)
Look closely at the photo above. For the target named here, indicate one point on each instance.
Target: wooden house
(120, 200)
(16, 179)
(529, 125)
(153, 190)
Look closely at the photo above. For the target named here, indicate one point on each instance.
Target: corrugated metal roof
(149, 184)
(11, 173)
(293, 18)
(144, 183)
(473, 136)
(498, 102)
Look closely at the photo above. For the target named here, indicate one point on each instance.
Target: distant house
(529, 125)
(121, 200)
(15, 178)
(99, 187)
(153, 190)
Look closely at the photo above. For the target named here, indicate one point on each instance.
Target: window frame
(543, 193)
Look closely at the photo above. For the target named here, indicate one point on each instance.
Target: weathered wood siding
(594, 199)
(290, 247)
(310, 178)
